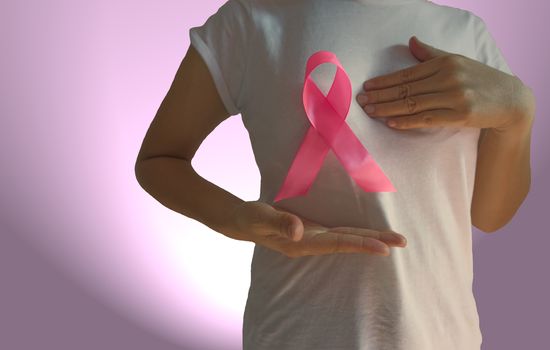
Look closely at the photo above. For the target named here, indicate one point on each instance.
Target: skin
(447, 89)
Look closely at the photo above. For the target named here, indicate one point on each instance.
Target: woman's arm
(503, 172)
(191, 109)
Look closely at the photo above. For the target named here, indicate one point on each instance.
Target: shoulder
(453, 14)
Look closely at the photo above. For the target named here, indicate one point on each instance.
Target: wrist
(522, 109)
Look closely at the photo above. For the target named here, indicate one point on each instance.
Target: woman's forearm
(503, 173)
(175, 184)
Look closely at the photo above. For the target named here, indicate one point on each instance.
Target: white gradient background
(80, 83)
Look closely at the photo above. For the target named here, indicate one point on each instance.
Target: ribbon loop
(327, 115)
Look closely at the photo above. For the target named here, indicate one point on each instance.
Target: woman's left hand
(446, 89)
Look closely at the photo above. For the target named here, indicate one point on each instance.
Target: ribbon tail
(359, 163)
(371, 178)
(304, 167)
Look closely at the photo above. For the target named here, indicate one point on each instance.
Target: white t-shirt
(418, 298)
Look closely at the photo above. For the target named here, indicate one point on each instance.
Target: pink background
(89, 260)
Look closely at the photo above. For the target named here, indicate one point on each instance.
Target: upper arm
(191, 109)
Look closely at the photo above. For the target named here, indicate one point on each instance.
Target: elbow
(137, 168)
(490, 226)
(140, 167)
(139, 173)
(494, 219)
(487, 228)
(488, 222)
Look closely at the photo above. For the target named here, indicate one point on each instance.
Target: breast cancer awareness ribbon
(328, 130)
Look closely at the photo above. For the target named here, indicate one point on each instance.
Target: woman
(458, 156)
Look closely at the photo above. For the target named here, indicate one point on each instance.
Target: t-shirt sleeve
(487, 50)
(222, 41)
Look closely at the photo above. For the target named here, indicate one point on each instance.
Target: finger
(390, 237)
(284, 223)
(419, 71)
(336, 242)
(413, 104)
(433, 83)
(429, 119)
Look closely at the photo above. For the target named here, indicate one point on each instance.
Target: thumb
(423, 51)
(287, 224)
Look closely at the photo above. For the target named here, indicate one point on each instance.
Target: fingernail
(369, 108)
(362, 98)
(400, 241)
(290, 230)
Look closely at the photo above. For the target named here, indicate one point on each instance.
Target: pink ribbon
(329, 131)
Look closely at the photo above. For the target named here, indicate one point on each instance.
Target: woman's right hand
(296, 236)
